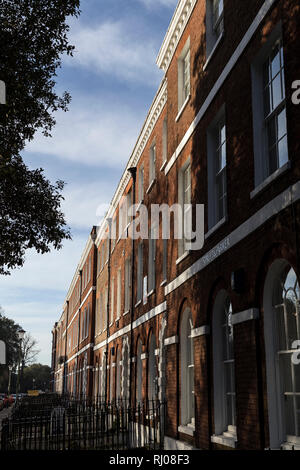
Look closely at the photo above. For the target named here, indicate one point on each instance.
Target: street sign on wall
(2, 352)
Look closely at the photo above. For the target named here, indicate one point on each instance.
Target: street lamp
(21, 334)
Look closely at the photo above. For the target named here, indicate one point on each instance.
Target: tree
(36, 376)
(33, 38)
(29, 350)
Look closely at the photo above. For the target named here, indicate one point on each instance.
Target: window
(139, 373)
(140, 273)
(119, 280)
(105, 312)
(128, 206)
(165, 141)
(187, 371)
(152, 164)
(224, 368)
(184, 190)
(184, 75)
(214, 24)
(216, 165)
(127, 284)
(269, 109)
(118, 375)
(282, 338)
(141, 183)
(152, 372)
(112, 300)
(101, 313)
(152, 258)
(125, 370)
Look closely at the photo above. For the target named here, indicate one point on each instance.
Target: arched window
(224, 367)
(118, 375)
(152, 371)
(187, 402)
(139, 373)
(282, 338)
(125, 370)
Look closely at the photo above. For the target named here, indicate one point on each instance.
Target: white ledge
(224, 441)
(189, 430)
(213, 51)
(164, 165)
(247, 315)
(201, 331)
(182, 108)
(216, 227)
(182, 257)
(171, 340)
(270, 179)
(151, 186)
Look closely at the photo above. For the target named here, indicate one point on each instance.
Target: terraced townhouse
(212, 332)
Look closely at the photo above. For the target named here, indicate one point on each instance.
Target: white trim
(151, 185)
(174, 33)
(201, 331)
(274, 207)
(224, 441)
(171, 340)
(213, 51)
(144, 356)
(144, 318)
(182, 108)
(90, 345)
(270, 179)
(189, 430)
(182, 257)
(225, 73)
(216, 227)
(247, 315)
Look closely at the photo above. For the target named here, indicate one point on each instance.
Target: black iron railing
(67, 423)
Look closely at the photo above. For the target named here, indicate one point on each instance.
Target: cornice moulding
(176, 28)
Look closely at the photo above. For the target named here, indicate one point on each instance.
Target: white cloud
(157, 3)
(114, 49)
(82, 202)
(91, 133)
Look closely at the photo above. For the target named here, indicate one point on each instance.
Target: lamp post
(21, 334)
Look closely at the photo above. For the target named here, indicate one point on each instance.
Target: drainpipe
(109, 222)
(132, 171)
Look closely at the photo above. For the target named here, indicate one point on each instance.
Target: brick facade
(260, 227)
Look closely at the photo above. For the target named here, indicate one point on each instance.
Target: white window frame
(141, 183)
(263, 174)
(119, 293)
(182, 190)
(152, 163)
(112, 301)
(151, 259)
(184, 78)
(140, 271)
(214, 144)
(187, 394)
(214, 27)
(127, 290)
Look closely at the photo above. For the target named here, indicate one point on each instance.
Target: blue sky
(112, 79)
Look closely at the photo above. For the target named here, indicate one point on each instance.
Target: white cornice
(150, 121)
(174, 33)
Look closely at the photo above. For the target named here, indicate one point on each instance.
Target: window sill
(182, 257)
(150, 293)
(164, 283)
(270, 179)
(163, 165)
(117, 320)
(189, 430)
(213, 51)
(138, 303)
(126, 313)
(139, 205)
(289, 446)
(224, 441)
(216, 227)
(151, 186)
(182, 108)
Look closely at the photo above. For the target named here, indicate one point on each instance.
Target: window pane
(275, 62)
(283, 152)
(281, 123)
(272, 132)
(277, 94)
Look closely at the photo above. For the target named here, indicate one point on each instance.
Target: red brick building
(213, 332)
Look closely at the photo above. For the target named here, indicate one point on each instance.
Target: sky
(113, 79)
